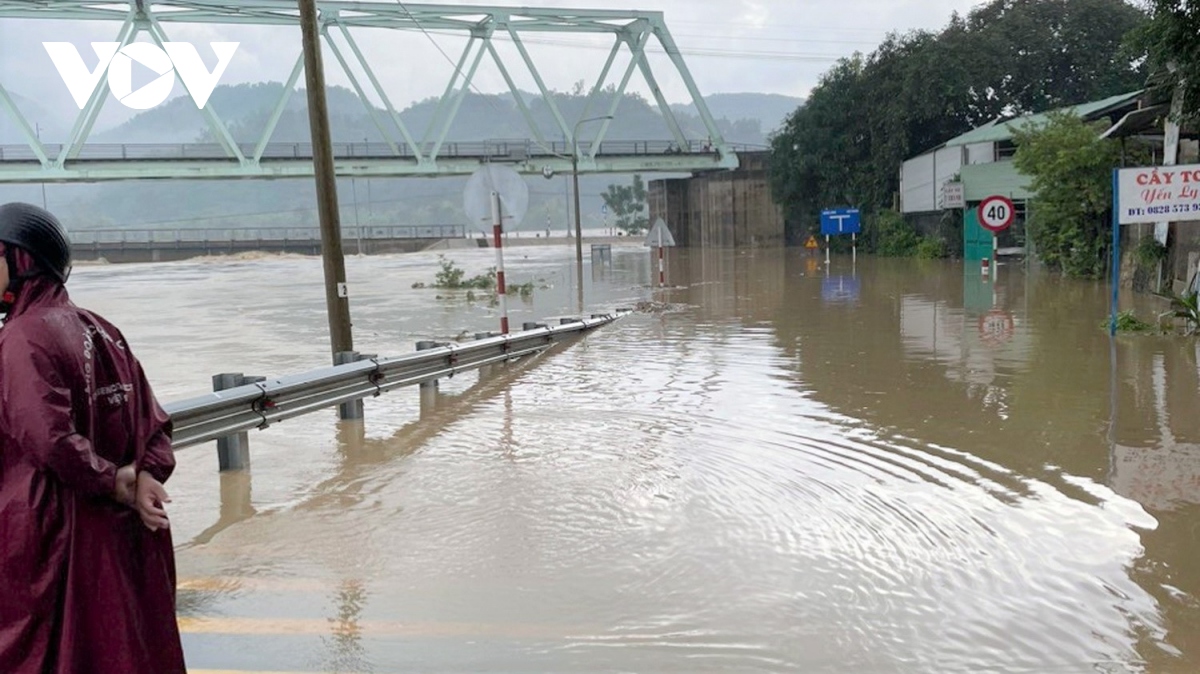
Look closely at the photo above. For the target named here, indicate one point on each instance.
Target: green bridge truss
(402, 153)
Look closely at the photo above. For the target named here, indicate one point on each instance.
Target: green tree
(1171, 40)
(1070, 167)
(814, 157)
(868, 114)
(1045, 54)
(628, 205)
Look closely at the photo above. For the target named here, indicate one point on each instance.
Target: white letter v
(191, 69)
(74, 73)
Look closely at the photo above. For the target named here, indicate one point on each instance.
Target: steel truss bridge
(402, 153)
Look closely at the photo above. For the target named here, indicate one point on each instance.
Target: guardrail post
(233, 451)
(352, 410)
(429, 389)
(425, 345)
(486, 371)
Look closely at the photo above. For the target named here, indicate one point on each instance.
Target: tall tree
(822, 155)
(1171, 39)
(1047, 54)
(628, 204)
(915, 91)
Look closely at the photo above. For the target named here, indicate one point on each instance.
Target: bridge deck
(162, 245)
(115, 161)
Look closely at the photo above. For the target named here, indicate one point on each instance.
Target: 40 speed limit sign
(996, 213)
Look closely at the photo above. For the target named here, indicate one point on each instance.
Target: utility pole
(337, 299)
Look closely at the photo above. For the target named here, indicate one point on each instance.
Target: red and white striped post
(498, 238)
(662, 276)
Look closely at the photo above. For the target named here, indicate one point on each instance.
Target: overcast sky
(773, 46)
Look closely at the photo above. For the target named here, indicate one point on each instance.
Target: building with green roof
(978, 164)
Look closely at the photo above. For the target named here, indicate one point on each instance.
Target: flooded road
(892, 466)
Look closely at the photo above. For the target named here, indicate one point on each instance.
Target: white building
(981, 159)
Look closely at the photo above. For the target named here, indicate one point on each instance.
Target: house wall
(921, 179)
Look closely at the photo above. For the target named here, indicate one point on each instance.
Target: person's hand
(151, 496)
(125, 486)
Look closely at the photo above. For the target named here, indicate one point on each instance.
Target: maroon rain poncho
(85, 587)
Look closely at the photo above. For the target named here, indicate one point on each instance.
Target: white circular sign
(514, 197)
(996, 213)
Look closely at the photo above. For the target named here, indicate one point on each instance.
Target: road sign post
(996, 214)
(501, 288)
(495, 193)
(659, 234)
(839, 221)
(662, 274)
(1116, 253)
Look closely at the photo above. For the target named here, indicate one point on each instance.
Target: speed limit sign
(996, 213)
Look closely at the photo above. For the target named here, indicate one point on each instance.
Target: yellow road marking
(245, 672)
(235, 583)
(300, 626)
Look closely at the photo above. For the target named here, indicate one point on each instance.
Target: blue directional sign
(835, 221)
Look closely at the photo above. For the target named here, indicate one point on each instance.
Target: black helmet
(41, 235)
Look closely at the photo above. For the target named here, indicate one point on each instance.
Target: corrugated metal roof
(981, 181)
(999, 130)
(1137, 122)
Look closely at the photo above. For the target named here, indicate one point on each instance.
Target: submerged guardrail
(248, 403)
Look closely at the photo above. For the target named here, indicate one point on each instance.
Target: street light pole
(575, 173)
(38, 125)
(575, 179)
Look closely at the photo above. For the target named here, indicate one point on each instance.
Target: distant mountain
(51, 126)
(245, 108)
(742, 118)
(769, 109)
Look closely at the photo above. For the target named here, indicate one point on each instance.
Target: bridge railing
(498, 149)
(273, 234)
(228, 412)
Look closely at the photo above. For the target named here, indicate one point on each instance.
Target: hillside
(247, 107)
(768, 109)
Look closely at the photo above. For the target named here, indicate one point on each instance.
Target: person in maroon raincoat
(87, 567)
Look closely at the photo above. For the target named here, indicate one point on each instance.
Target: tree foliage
(917, 90)
(628, 205)
(1070, 167)
(1171, 40)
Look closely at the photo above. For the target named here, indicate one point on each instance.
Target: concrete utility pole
(337, 298)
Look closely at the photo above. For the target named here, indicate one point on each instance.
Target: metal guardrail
(284, 234)
(511, 149)
(236, 410)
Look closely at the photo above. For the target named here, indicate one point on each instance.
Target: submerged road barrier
(242, 403)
